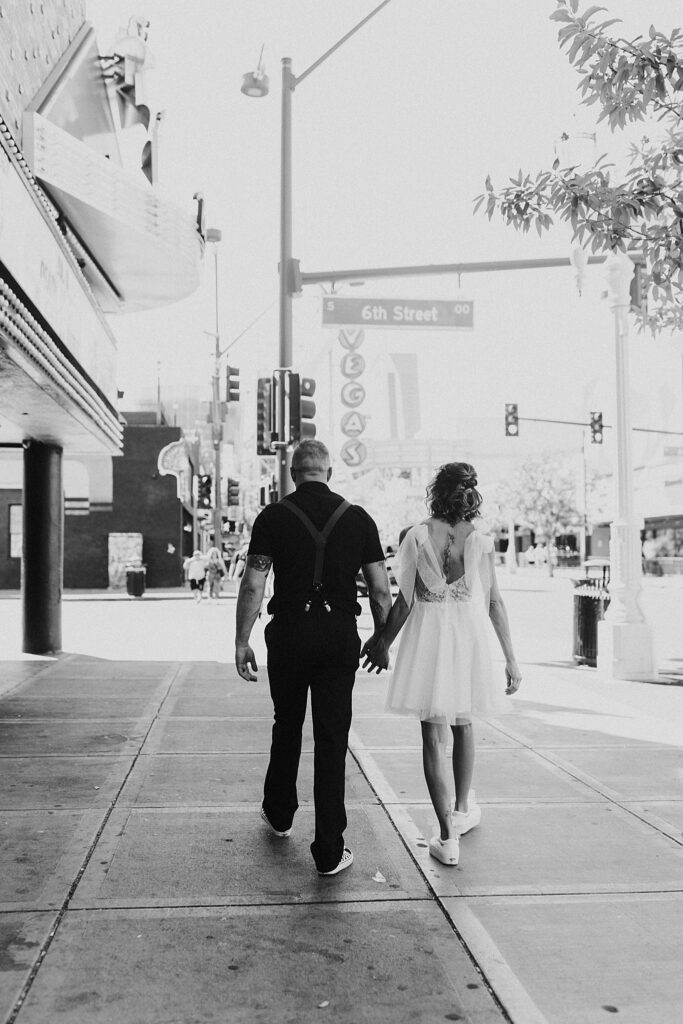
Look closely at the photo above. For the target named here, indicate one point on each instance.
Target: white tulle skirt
(444, 668)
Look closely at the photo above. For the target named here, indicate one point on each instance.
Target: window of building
(16, 533)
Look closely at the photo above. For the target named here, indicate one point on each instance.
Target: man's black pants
(316, 650)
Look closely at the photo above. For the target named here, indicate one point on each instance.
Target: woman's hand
(513, 676)
(376, 654)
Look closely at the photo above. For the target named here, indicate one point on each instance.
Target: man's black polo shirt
(279, 534)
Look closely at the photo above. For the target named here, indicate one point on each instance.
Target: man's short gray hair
(311, 456)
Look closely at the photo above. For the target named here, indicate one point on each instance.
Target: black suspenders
(319, 539)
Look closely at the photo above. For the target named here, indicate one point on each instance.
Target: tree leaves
(629, 80)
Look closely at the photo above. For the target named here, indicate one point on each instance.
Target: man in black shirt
(316, 543)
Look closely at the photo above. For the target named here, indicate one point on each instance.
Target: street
(137, 869)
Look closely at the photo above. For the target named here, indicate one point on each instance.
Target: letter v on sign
(351, 339)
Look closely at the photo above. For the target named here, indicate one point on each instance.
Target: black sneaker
(345, 862)
(272, 828)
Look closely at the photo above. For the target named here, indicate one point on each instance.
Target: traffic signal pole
(216, 420)
(216, 432)
(283, 453)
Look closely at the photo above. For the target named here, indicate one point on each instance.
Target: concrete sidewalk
(139, 884)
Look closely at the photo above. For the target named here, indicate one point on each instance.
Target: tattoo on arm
(379, 612)
(261, 563)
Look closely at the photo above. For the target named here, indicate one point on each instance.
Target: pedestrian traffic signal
(511, 420)
(204, 491)
(232, 384)
(301, 408)
(233, 492)
(264, 416)
(596, 428)
(638, 289)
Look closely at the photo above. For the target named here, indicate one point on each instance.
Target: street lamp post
(625, 641)
(255, 84)
(213, 235)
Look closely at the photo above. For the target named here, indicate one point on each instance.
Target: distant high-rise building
(406, 367)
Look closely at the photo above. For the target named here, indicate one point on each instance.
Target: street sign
(392, 313)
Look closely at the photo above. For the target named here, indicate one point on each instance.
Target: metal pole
(341, 41)
(487, 267)
(284, 456)
(625, 643)
(583, 545)
(216, 426)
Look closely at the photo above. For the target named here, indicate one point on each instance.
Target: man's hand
(245, 661)
(376, 654)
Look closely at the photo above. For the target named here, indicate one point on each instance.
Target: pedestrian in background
(239, 562)
(315, 542)
(444, 669)
(215, 571)
(195, 570)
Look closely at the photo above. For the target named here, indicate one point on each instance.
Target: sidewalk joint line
(361, 755)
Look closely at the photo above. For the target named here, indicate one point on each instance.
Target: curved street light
(255, 85)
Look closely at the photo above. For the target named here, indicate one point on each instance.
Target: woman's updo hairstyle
(452, 495)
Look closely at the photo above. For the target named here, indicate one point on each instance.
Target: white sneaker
(272, 828)
(463, 821)
(345, 862)
(445, 850)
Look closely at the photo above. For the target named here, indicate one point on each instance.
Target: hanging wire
(249, 327)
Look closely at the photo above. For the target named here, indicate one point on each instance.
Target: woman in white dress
(444, 669)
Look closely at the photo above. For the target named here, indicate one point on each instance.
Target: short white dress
(444, 666)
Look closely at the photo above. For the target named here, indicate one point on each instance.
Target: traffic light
(233, 492)
(264, 416)
(301, 408)
(511, 420)
(596, 428)
(204, 491)
(232, 384)
(638, 289)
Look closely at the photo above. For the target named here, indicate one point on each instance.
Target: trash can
(135, 580)
(591, 600)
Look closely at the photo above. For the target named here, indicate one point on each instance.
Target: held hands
(513, 677)
(245, 662)
(376, 654)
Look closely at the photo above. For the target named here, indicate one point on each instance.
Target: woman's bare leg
(463, 763)
(434, 744)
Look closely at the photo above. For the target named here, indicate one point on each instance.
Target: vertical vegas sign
(353, 422)
(356, 314)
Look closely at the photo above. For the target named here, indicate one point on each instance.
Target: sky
(393, 136)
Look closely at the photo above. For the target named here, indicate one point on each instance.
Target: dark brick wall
(144, 502)
(10, 568)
